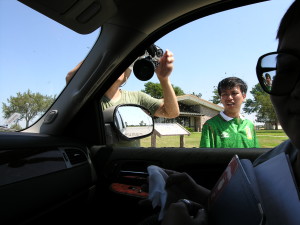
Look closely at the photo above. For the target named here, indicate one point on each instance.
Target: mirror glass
(133, 121)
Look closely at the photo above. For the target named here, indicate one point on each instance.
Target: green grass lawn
(270, 138)
(266, 138)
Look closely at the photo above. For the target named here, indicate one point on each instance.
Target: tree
(262, 105)
(15, 127)
(199, 95)
(216, 97)
(28, 104)
(155, 90)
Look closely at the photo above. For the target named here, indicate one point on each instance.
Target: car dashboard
(36, 176)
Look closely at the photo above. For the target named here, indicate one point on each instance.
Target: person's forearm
(170, 106)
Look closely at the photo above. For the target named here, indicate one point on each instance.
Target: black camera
(146, 64)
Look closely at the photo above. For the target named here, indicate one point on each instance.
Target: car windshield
(36, 54)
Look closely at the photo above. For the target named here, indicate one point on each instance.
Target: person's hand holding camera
(165, 66)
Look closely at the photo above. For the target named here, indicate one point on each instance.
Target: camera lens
(159, 52)
(144, 69)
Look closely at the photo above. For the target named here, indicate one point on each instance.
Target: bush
(189, 129)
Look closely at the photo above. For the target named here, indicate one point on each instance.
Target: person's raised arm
(72, 72)
(170, 108)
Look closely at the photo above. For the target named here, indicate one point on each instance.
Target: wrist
(164, 80)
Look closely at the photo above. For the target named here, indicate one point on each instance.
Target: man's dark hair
(231, 82)
(268, 76)
(291, 17)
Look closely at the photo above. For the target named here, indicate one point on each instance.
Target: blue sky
(208, 44)
(40, 58)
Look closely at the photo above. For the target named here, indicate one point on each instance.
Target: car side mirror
(127, 122)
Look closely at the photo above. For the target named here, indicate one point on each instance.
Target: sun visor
(81, 16)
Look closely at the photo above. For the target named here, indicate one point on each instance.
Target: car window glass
(210, 49)
(36, 54)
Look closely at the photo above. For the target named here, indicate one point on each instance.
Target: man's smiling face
(232, 100)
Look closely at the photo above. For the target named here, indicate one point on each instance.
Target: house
(194, 112)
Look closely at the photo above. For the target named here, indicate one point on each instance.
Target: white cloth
(157, 192)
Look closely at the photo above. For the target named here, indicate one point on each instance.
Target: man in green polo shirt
(230, 129)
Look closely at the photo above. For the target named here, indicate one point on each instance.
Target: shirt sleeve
(206, 139)
(256, 143)
(149, 102)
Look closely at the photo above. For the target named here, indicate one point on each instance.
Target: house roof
(194, 100)
(190, 114)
